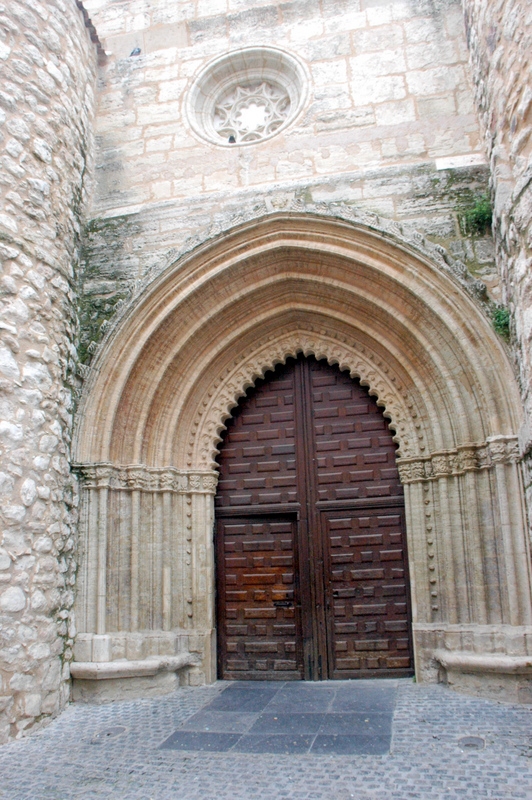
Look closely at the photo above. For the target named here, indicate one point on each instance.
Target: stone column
(146, 581)
(473, 612)
(47, 73)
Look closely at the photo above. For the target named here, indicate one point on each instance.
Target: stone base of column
(102, 682)
(124, 665)
(492, 661)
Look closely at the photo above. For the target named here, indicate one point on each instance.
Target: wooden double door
(312, 570)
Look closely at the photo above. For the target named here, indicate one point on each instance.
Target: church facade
(265, 346)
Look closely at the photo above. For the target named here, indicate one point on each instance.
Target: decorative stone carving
(251, 112)
(146, 479)
(467, 650)
(220, 400)
(345, 293)
(500, 450)
(246, 96)
(403, 234)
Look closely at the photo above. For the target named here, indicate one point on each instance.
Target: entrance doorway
(312, 569)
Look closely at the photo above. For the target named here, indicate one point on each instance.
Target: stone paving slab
(114, 752)
(293, 718)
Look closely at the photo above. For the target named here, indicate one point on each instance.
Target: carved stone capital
(138, 477)
(466, 458)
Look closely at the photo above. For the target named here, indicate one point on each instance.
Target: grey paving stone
(260, 685)
(243, 700)
(191, 740)
(274, 743)
(220, 721)
(368, 699)
(288, 723)
(351, 745)
(302, 701)
(425, 758)
(368, 724)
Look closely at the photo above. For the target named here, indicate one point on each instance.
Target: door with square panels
(312, 568)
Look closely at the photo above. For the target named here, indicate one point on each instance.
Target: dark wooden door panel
(367, 592)
(259, 615)
(318, 593)
(257, 461)
(355, 452)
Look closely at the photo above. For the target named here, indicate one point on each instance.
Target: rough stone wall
(499, 35)
(389, 126)
(47, 71)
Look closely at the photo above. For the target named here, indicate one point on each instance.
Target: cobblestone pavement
(114, 751)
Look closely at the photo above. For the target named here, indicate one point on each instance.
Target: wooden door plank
(310, 543)
(258, 604)
(368, 596)
(355, 466)
(259, 608)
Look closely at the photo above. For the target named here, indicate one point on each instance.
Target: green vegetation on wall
(501, 321)
(475, 220)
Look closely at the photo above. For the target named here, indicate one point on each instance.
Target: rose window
(247, 96)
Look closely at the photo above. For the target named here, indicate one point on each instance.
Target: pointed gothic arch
(166, 378)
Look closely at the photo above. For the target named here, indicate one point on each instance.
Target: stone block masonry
(388, 99)
(47, 73)
(499, 34)
(384, 121)
(388, 85)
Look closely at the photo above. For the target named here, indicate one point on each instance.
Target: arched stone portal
(170, 373)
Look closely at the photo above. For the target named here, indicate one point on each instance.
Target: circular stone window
(246, 96)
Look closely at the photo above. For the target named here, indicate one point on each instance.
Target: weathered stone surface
(387, 142)
(387, 88)
(151, 524)
(47, 66)
(499, 34)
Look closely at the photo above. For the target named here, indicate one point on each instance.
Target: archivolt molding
(268, 207)
(427, 327)
(403, 234)
(224, 392)
(467, 458)
(138, 477)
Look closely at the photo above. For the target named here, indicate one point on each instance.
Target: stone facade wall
(47, 71)
(389, 126)
(387, 136)
(388, 85)
(499, 35)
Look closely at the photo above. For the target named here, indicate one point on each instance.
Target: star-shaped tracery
(251, 112)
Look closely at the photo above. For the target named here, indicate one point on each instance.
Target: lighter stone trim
(138, 477)
(237, 113)
(270, 289)
(455, 162)
(487, 662)
(402, 234)
(216, 405)
(101, 671)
